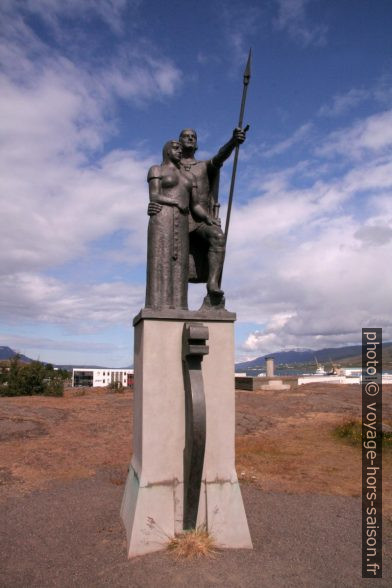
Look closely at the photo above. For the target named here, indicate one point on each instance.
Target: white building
(99, 377)
(353, 372)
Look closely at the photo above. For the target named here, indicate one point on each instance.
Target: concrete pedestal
(152, 508)
(275, 385)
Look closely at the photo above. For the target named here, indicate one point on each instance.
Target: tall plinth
(153, 504)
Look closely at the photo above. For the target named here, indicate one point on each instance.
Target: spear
(237, 148)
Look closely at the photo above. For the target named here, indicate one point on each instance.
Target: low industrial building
(274, 383)
(100, 377)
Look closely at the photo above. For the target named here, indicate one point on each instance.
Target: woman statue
(172, 193)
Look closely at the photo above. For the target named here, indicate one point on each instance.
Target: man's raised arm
(224, 152)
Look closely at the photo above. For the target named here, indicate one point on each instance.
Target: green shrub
(11, 387)
(54, 387)
(79, 392)
(29, 379)
(116, 387)
(351, 431)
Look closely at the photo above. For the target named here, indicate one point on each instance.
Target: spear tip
(247, 68)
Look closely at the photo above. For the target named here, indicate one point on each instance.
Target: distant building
(353, 372)
(95, 377)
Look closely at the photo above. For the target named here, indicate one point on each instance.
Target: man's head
(188, 139)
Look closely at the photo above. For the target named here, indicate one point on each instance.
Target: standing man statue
(207, 241)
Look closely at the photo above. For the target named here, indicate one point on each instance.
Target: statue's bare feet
(213, 301)
(213, 288)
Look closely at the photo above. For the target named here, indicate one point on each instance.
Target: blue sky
(90, 92)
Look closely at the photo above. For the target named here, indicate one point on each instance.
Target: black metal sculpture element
(193, 349)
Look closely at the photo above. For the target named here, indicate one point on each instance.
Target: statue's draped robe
(167, 254)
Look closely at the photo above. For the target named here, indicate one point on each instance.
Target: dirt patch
(6, 477)
(289, 443)
(20, 421)
(45, 439)
(285, 440)
(15, 427)
(60, 494)
(13, 407)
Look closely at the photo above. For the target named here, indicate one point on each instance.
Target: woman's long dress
(168, 245)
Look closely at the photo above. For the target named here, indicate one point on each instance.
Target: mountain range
(8, 353)
(293, 356)
(302, 356)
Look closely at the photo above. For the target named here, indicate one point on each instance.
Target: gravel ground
(62, 474)
(70, 535)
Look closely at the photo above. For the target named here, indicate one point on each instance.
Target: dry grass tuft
(351, 431)
(79, 392)
(192, 544)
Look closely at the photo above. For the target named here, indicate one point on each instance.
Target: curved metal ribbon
(193, 349)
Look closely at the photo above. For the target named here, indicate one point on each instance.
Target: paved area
(71, 535)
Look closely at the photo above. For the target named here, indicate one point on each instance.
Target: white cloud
(86, 308)
(141, 77)
(292, 18)
(18, 342)
(240, 24)
(298, 136)
(111, 12)
(341, 103)
(301, 261)
(370, 135)
(309, 264)
(53, 209)
(375, 234)
(60, 192)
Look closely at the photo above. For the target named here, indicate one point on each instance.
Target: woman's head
(172, 151)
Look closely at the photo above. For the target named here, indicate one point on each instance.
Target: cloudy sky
(90, 91)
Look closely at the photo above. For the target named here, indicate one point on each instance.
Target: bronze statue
(205, 242)
(167, 250)
(173, 192)
(184, 190)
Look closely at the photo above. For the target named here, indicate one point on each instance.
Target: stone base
(263, 383)
(275, 385)
(222, 513)
(152, 508)
(153, 514)
(148, 514)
